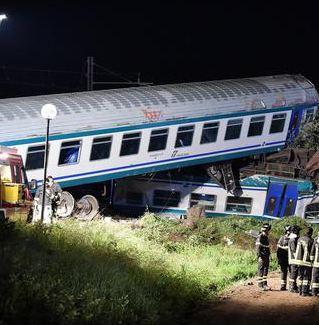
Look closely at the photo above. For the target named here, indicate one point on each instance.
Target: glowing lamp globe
(48, 111)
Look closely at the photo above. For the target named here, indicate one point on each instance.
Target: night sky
(44, 45)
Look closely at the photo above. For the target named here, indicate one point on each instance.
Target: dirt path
(246, 305)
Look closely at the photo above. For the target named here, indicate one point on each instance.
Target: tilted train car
(260, 196)
(109, 134)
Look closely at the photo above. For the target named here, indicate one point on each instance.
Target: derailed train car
(109, 134)
(260, 196)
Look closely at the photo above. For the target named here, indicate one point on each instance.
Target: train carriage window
(17, 174)
(5, 173)
(209, 133)
(208, 200)
(130, 144)
(312, 211)
(184, 136)
(277, 123)
(134, 198)
(310, 115)
(101, 148)
(158, 140)
(70, 152)
(256, 126)
(35, 157)
(238, 204)
(233, 129)
(290, 208)
(271, 206)
(166, 198)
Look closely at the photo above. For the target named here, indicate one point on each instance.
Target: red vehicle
(14, 190)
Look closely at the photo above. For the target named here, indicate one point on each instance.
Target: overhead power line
(90, 72)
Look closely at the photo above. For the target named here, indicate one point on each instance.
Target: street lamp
(2, 17)
(48, 112)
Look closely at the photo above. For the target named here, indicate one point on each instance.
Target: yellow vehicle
(14, 191)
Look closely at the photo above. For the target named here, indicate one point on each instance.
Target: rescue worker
(263, 254)
(302, 256)
(314, 256)
(282, 255)
(293, 267)
(52, 196)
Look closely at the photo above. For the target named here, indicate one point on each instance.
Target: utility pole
(125, 81)
(90, 73)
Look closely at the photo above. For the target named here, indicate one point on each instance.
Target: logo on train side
(257, 103)
(280, 101)
(151, 114)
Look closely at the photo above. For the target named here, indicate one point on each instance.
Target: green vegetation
(308, 136)
(152, 271)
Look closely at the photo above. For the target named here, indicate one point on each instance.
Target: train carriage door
(289, 201)
(281, 200)
(273, 199)
(295, 120)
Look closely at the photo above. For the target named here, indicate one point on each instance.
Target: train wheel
(66, 205)
(87, 208)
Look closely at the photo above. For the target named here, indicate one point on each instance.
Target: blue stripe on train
(113, 173)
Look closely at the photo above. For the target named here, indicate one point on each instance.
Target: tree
(308, 137)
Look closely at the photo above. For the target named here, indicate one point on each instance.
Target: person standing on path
(282, 255)
(314, 256)
(293, 265)
(303, 251)
(263, 254)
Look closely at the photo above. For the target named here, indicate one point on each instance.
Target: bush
(278, 226)
(149, 272)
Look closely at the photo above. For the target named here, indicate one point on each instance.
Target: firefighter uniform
(282, 255)
(314, 256)
(263, 253)
(293, 266)
(51, 198)
(302, 257)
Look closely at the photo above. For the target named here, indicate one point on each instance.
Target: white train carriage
(260, 196)
(108, 134)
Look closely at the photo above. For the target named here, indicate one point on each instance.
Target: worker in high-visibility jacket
(282, 255)
(293, 265)
(314, 256)
(263, 254)
(302, 258)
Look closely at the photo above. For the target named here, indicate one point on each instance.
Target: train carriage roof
(20, 118)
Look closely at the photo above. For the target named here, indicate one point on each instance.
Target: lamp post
(48, 112)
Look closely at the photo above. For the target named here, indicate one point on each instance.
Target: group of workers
(297, 256)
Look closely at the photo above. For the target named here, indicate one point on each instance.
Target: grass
(150, 272)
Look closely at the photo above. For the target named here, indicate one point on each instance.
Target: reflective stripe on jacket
(262, 246)
(292, 246)
(282, 249)
(303, 250)
(314, 254)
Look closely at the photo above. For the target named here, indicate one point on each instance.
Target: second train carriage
(108, 134)
(260, 196)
